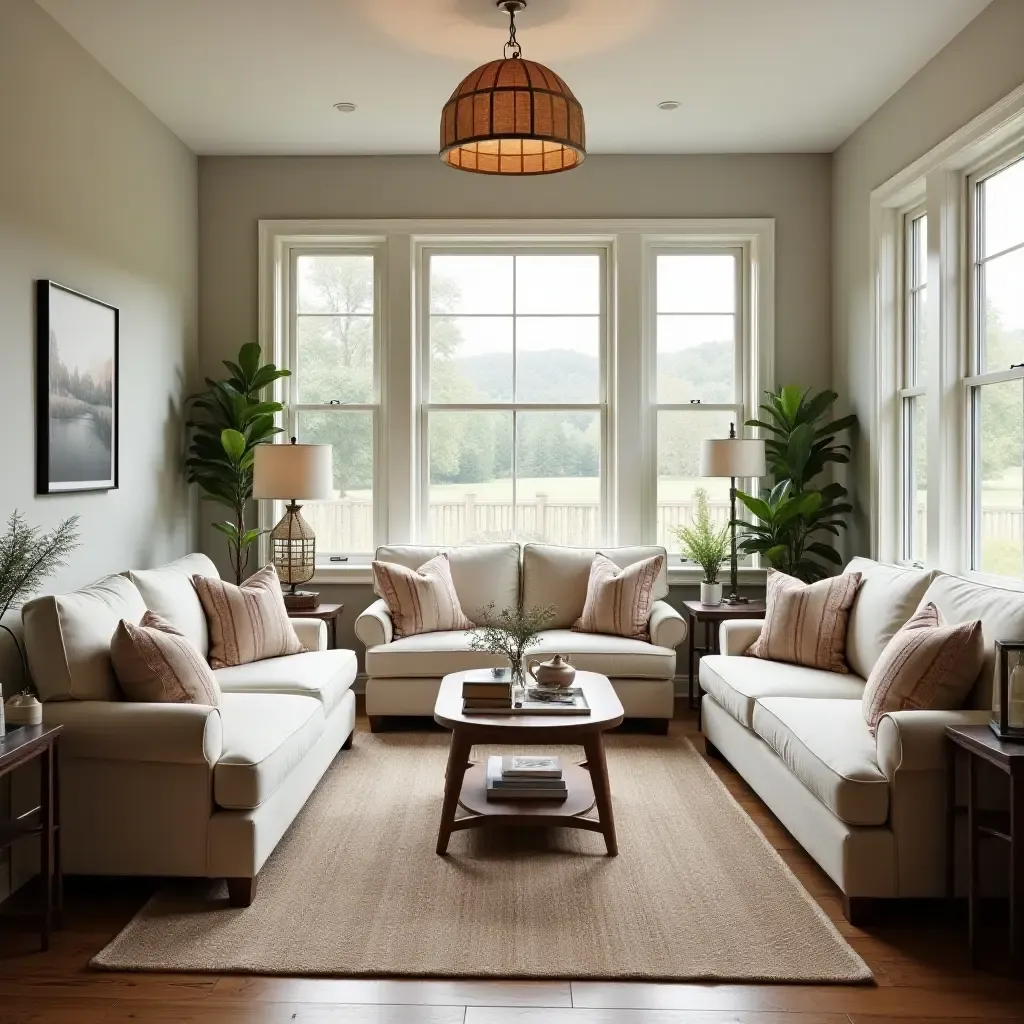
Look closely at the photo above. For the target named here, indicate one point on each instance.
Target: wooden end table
(18, 747)
(712, 615)
(329, 613)
(465, 783)
(980, 742)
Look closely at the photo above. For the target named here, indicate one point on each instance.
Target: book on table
(484, 684)
(504, 787)
(530, 766)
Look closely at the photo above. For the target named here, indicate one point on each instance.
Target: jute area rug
(356, 890)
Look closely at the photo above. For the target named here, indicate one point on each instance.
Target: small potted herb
(707, 545)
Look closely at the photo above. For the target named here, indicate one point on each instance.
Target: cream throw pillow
(420, 600)
(805, 623)
(619, 600)
(155, 663)
(927, 665)
(247, 623)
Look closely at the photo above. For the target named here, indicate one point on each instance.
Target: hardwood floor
(921, 968)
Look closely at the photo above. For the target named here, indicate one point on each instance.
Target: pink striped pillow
(420, 600)
(619, 600)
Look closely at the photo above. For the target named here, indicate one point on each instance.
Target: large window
(514, 411)
(995, 385)
(698, 375)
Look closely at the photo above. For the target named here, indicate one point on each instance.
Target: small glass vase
(518, 684)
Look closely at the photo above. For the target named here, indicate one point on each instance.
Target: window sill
(690, 575)
(357, 572)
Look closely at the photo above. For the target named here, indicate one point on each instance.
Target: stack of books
(483, 692)
(524, 777)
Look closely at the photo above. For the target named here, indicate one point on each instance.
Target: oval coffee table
(587, 783)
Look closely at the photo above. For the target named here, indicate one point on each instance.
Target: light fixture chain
(512, 44)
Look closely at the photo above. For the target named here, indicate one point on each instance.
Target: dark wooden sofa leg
(347, 745)
(376, 723)
(241, 891)
(861, 910)
(712, 751)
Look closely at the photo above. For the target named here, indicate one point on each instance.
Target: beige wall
(97, 194)
(980, 66)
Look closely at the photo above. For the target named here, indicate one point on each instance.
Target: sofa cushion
(432, 655)
(170, 592)
(482, 573)
(1001, 611)
(737, 682)
(325, 675)
(265, 737)
(67, 638)
(888, 596)
(827, 746)
(557, 575)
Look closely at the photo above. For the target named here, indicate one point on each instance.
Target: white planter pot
(711, 593)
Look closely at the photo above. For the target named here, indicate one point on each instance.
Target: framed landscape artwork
(76, 391)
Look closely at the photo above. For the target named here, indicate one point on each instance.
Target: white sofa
(403, 676)
(870, 810)
(181, 789)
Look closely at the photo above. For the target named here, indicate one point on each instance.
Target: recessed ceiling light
(668, 104)
(345, 107)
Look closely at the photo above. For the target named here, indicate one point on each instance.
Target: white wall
(97, 194)
(977, 68)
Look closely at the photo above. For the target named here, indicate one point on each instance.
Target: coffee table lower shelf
(579, 800)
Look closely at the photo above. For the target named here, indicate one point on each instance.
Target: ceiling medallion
(513, 116)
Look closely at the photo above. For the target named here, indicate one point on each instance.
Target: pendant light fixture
(513, 116)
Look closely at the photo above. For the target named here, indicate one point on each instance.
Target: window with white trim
(995, 381)
(514, 414)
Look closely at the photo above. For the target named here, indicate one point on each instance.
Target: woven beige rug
(356, 890)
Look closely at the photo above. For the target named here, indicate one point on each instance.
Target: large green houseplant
(233, 418)
(795, 519)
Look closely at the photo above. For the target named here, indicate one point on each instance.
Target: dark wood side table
(18, 747)
(329, 613)
(978, 741)
(712, 615)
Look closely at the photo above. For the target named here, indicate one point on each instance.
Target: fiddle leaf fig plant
(232, 418)
(795, 519)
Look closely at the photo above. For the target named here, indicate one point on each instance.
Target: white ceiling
(261, 76)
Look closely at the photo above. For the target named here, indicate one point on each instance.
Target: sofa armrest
(915, 741)
(666, 626)
(374, 626)
(312, 633)
(736, 636)
(101, 730)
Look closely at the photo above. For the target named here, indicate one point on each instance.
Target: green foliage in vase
(702, 542)
(794, 520)
(28, 557)
(509, 633)
(233, 419)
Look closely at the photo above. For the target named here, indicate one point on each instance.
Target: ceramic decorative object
(711, 593)
(556, 672)
(24, 709)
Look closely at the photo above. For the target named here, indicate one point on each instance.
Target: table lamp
(294, 471)
(733, 457)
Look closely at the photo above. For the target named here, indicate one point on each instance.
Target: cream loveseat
(870, 810)
(181, 789)
(404, 675)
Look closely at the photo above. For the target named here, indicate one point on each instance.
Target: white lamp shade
(732, 456)
(300, 471)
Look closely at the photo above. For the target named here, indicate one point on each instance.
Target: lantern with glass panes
(1008, 691)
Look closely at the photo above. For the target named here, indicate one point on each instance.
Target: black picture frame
(77, 391)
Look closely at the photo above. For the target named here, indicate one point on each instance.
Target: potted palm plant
(707, 545)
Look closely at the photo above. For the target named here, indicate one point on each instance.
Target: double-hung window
(513, 416)
(333, 393)
(912, 394)
(995, 381)
(698, 374)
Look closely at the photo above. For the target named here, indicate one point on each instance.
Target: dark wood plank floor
(921, 967)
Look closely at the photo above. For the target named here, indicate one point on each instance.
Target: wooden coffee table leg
(598, 767)
(458, 760)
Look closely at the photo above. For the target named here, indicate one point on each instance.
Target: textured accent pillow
(247, 623)
(805, 623)
(420, 600)
(155, 663)
(927, 665)
(619, 600)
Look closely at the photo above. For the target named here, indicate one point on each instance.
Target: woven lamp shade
(513, 116)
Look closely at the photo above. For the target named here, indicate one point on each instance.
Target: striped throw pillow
(155, 663)
(805, 623)
(927, 665)
(420, 600)
(247, 623)
(619, 600)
